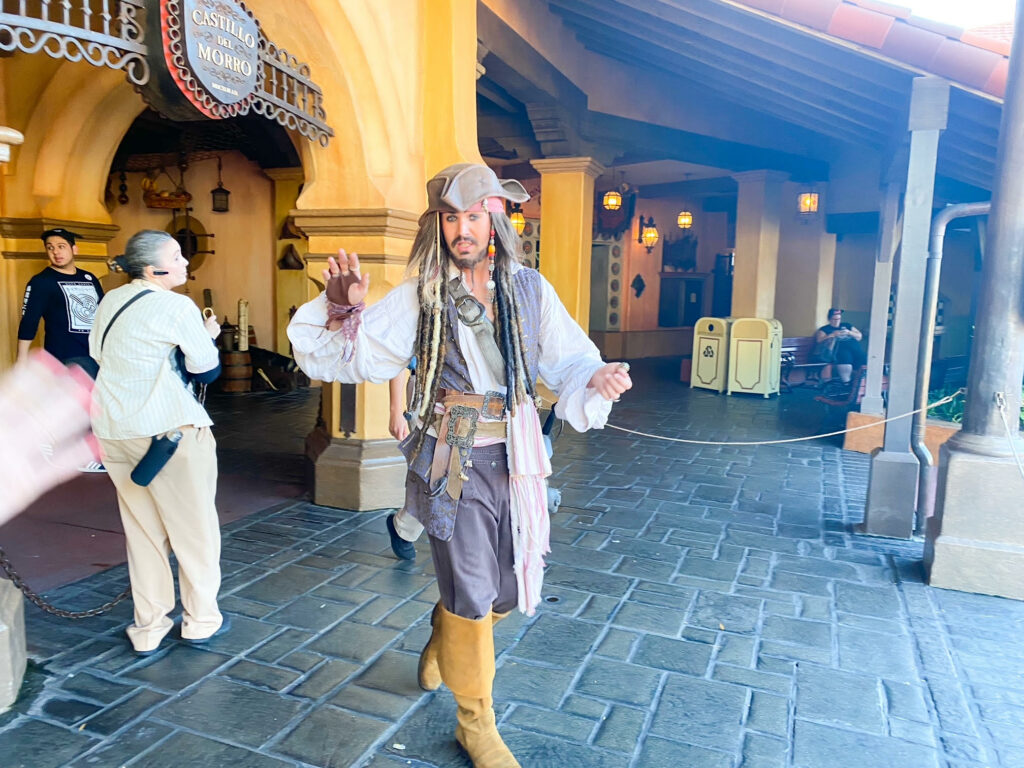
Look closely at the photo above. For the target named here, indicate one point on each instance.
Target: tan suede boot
(429, 673)
(467, 668)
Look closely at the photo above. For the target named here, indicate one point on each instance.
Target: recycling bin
(710, 366)
(755, 356)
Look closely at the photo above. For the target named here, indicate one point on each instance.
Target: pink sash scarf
(528, 466)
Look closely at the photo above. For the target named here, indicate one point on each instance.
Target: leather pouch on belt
(455, 442)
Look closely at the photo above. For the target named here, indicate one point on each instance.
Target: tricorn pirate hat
(461, 186)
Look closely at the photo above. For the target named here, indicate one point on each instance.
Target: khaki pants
(174, 512)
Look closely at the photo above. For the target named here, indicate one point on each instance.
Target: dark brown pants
(475, 569)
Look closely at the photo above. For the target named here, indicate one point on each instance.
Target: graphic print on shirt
(81, 301)
(24, 301)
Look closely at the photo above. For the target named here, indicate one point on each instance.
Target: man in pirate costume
(483, 328)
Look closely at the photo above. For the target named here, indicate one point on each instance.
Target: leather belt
(491, 405)
(457, 429)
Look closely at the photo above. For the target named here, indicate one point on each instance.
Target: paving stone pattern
(704, 606)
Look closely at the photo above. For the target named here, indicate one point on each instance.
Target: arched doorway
(162, 176)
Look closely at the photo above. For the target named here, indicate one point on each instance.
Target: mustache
(464, 239)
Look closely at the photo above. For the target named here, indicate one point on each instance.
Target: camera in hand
(160, 451)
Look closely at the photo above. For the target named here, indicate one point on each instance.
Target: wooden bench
(796, 353)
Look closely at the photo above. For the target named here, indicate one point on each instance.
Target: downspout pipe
(927, 476)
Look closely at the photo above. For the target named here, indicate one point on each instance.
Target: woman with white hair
(156, 440)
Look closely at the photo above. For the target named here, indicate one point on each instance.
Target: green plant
(951, 411)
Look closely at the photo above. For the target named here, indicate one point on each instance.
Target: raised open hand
(345, 284)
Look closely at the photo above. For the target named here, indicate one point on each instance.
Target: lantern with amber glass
(219, 195)
(684, 220)
(649, 235)
(517, 219)
(807, 203)
(612, 200)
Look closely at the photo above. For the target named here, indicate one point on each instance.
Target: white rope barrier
(936, 404)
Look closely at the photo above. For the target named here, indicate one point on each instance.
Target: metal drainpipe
(927, 474)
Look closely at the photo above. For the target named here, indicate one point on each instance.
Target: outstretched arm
(571, 365)
(335, 341)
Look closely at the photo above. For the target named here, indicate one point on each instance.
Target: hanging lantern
(517, 219)
(807, 203)
(648, 233)
(684, 220)
(220, 195)
(612, 200)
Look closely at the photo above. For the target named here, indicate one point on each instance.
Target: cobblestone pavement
(704, 606)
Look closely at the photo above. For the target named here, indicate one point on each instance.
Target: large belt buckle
(466, 303)
(491, 399)
(461, 426)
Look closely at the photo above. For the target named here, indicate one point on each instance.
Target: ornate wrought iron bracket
(104, 33)
(289, 96)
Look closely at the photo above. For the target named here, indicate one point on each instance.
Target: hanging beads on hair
(490, 267)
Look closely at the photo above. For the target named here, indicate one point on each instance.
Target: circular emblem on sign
(527, 247)
(528, 229)
(616, 251)
(212, 48)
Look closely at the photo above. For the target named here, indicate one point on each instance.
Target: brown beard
(465, 262)
(469, 263)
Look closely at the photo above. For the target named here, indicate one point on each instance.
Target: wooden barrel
(235, 372)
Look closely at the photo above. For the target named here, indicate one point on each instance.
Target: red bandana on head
(489, 204)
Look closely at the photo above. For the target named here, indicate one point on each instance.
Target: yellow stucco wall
(243, 265)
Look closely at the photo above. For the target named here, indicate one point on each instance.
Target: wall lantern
(220, 195)
(517, 219)
(648, 233)
(612, 200)
(684, 220)
(807, 203)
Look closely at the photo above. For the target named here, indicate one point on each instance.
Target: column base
(892, 495)
(355, 474)
(12, 643)
(873, 405)
(975, 541)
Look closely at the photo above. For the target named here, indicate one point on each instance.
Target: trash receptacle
(755, 355)
(710, 364)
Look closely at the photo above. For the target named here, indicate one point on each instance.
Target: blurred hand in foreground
(44, 429)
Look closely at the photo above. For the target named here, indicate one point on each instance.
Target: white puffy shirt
(386, 337)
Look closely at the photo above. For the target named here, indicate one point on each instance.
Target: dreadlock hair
(429, 262)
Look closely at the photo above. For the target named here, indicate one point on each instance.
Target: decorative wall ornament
(612, 223)
(638, 285)
(680, 255)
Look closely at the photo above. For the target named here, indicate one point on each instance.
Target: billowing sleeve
(381, 348)
(568, 360)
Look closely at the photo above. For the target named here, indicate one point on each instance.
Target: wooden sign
(211, 55)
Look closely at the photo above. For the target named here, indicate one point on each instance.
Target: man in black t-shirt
(845, 341)
(64, 297)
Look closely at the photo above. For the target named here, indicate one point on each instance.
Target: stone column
(355, 462)
(290, 281)
(975, 541)
(567, 227)
(892, 485)
(759, 206)
(888, 242)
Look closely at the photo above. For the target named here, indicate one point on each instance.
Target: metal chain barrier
(928, 407)
(35, 598)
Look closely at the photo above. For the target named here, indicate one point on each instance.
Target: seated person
(844, 341)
